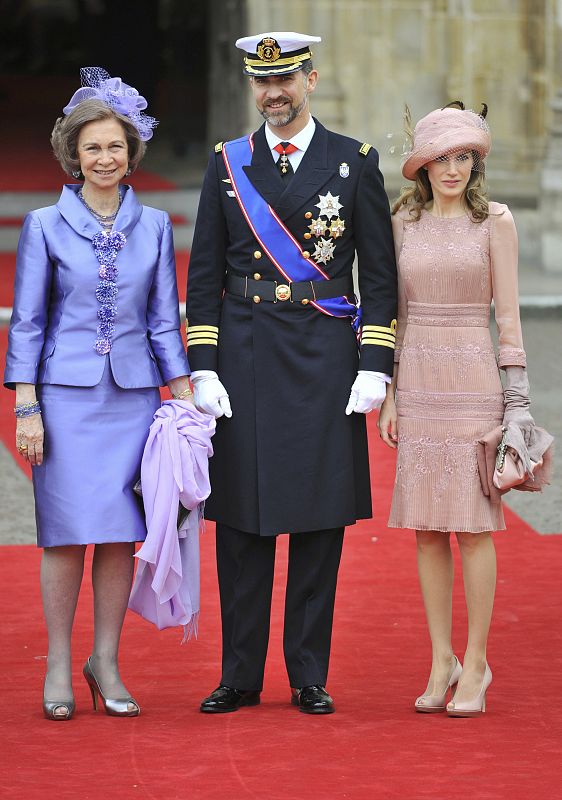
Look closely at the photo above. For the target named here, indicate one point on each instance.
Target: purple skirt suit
(96, 327)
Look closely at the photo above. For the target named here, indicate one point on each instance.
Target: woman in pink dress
(456, 251)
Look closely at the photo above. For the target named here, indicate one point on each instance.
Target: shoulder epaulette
(365, 147)
(218, 147)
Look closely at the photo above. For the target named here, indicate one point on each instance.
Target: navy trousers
(245, 563)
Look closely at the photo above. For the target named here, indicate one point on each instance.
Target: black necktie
(283, 164)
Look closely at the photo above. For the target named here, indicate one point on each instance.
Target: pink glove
(210, 396)
(368, 392)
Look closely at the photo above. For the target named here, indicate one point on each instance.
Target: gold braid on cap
(253, 62)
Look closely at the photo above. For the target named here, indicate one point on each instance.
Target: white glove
(210, 396)
(368, 392)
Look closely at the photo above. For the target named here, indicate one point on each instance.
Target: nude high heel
(475, 707)
(433, 703)
(117, 707)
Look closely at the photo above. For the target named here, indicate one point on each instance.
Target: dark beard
(278, 121)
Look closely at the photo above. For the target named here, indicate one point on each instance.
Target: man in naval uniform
(273, 333)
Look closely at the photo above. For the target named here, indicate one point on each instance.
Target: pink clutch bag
(509, 471)
(500, 468)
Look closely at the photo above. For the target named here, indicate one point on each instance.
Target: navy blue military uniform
(289, 460)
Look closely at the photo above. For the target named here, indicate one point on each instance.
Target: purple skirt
(94, 441)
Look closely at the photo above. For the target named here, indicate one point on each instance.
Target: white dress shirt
(301, 140)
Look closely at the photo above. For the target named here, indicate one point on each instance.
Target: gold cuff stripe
(382, 337)
(374, 336)
(202, 335)
(370, 336)
(202, 340)
(209, 328)
(279, 62)
(382, 343)
(380, 328)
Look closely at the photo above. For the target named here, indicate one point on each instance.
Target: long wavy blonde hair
(416, 197)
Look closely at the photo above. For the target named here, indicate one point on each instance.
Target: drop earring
(77, 173)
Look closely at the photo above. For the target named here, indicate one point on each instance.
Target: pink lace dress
(449, 391)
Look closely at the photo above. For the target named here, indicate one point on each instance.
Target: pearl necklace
(105, 220)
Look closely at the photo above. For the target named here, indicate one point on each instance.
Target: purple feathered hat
(97, 84)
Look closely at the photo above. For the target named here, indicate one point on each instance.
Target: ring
(22, 448)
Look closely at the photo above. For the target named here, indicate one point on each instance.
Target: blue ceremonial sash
(274, 237)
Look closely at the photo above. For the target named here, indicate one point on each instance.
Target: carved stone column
(550, 197)
(227, 84)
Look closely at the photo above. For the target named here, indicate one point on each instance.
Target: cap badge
(268, 49)
(344, 170)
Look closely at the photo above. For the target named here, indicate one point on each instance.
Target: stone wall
(377, 55)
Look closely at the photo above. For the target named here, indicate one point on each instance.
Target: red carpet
(374, 748)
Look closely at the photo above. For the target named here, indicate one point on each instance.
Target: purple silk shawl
(174, 469)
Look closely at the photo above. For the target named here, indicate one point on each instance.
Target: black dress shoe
(312, 700)
(225, 699)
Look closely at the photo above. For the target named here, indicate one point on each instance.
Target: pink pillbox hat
(446, 130)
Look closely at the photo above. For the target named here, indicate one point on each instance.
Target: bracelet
(27, 409)
(183, 395)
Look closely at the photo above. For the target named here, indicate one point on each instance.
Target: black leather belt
(277, 291)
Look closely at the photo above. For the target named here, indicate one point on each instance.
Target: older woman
(455, 252)
(94, 333)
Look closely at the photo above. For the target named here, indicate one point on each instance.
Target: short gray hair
(64, 138)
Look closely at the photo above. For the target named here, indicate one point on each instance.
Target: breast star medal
(329, 205)
(324, 251)
(318, 227)
(337, 227)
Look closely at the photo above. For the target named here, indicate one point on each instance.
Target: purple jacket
(55, 314)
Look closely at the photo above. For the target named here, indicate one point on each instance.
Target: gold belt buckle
(282, 292)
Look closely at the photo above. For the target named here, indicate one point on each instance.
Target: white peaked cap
(276, 52)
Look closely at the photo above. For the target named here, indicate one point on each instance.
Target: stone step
(17, 204)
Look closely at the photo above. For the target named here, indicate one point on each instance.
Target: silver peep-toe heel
(115, 707)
